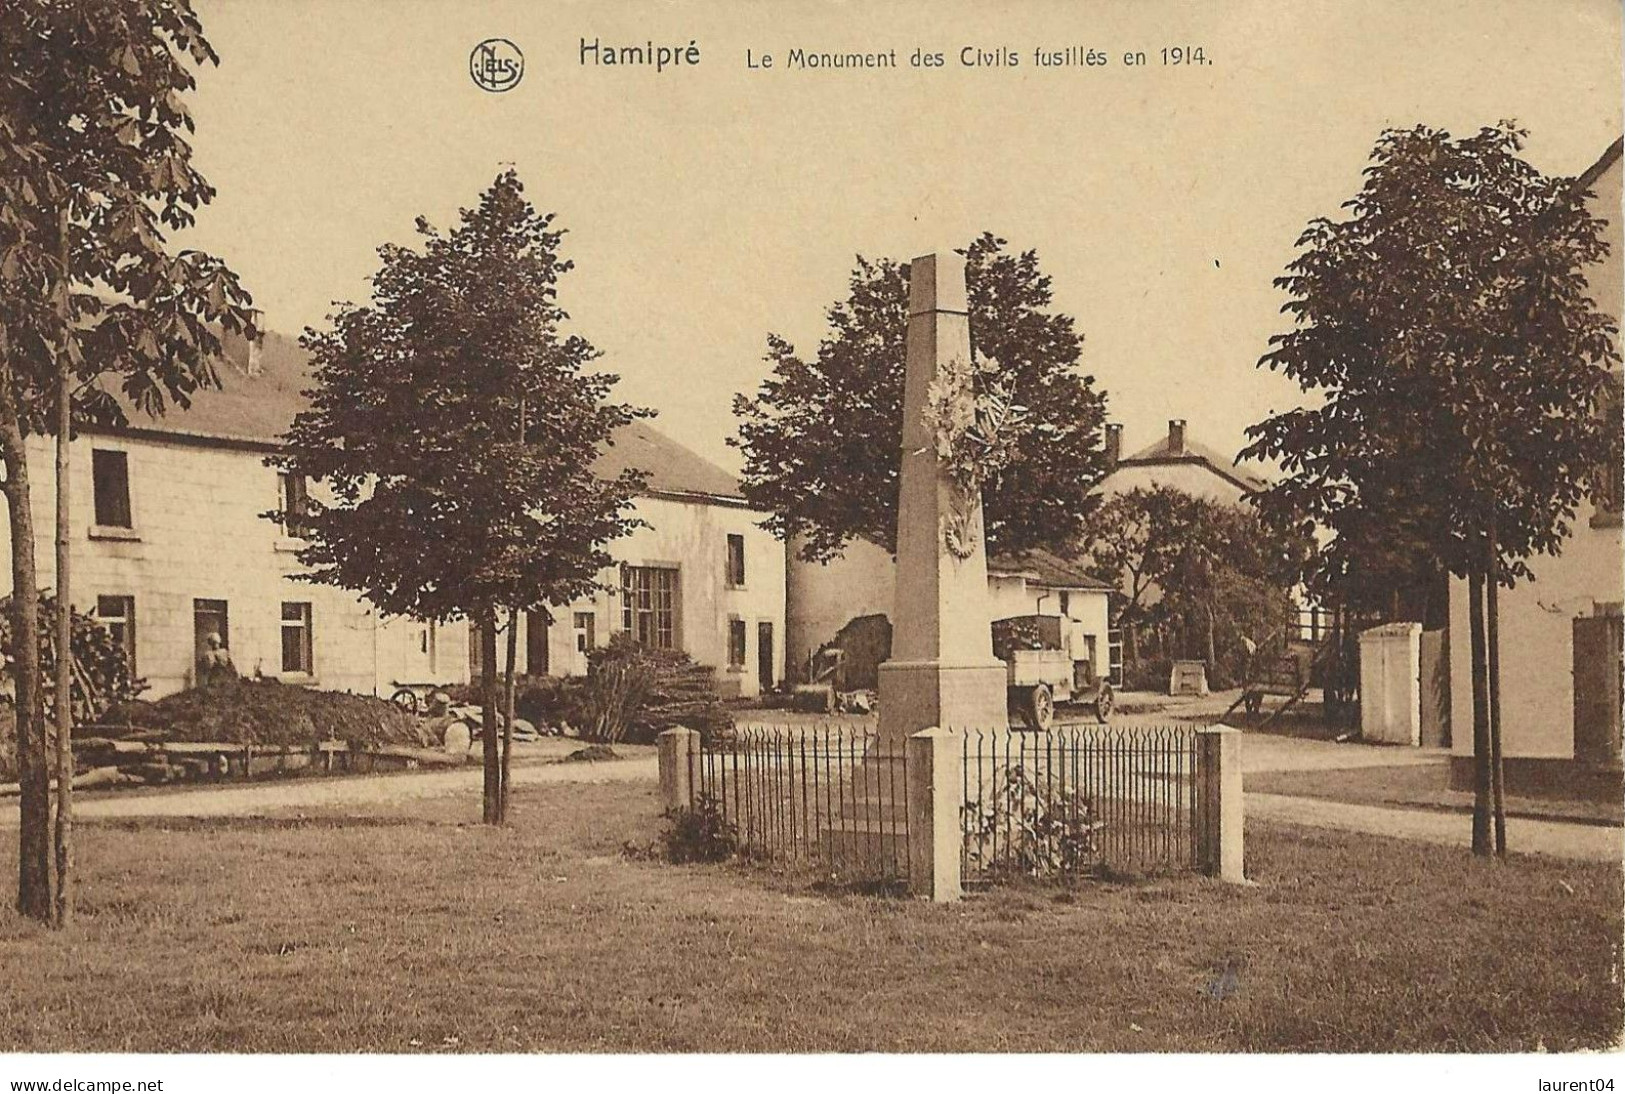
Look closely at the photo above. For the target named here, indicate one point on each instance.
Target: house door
(208, 617)
(536, 651)
(1598, 667)
(764, 656)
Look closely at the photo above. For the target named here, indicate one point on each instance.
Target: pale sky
(709, 206)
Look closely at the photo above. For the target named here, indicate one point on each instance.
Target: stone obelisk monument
(942, 670)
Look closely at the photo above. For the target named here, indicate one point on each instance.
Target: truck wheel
(406, 699)
(1103, 703)
(1040, 710)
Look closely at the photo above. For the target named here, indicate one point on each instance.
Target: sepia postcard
(1068, 543)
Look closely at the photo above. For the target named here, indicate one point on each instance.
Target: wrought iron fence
(1073, 801)
(1079, 800)
(826, 795)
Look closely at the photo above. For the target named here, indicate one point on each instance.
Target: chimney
(1176, 437)
(1114, 445)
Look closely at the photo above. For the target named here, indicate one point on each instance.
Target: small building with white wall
(1560, 633)
(170, 544)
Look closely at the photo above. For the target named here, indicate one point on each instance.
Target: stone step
(869, 808)
(873, 847)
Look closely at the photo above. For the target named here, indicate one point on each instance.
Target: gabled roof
(1609, 157)
(672, 469)
(1162, 453)
(1045, 568)
(255, 411)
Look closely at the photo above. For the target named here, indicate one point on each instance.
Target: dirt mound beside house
(252, 712)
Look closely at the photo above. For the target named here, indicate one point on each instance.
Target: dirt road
(323, 793)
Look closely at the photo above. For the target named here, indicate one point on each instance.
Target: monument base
(916, 695)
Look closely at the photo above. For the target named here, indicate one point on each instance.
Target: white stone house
(703, 577)
(1179, 461)
(1560, 634)
(170, 544)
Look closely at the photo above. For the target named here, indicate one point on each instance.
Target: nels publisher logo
(496, 64)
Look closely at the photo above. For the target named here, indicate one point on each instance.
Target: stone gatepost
(936, 794)
(1220, 807)
(1391, 684)
(679, 755)
(942, 670)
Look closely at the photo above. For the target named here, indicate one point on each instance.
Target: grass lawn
(411, 929)
(1425, 787)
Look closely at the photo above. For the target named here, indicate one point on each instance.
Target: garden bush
(700, 834)
(8, 743)
(542, 701)
(258, 712)
(1148, 674)
(1029, 826)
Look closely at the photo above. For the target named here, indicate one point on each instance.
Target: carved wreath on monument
(974, 425)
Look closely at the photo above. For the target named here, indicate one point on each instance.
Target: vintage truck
(1048, 660)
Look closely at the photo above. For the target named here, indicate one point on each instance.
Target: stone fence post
(1220, 811)
(679, 753)
(936, 792)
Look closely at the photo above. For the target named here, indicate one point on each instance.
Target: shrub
(1027, 826)
(1147, 674)
(633, 692)
(539, 700)
(269, 713)
(700, 834)
(549, 700)
(8, 743)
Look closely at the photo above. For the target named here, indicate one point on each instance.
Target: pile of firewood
(634, 692)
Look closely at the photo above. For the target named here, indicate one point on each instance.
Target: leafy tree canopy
(1210, 577)
(93, 140)
(455, 427)
(1446, 324)
(822, 438)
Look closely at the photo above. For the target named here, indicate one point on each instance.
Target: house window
(585, 623)
(296, 645)
(736, 561)
(294, 502)
(649, 605)
(110, 473)
(736, 643)
(1066, 604)
(117, 614)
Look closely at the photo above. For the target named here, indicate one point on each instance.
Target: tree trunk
(33, 766)
(508, 705)
(63, 706)
(488, 733)
(1493, 637)
(1481, 722)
